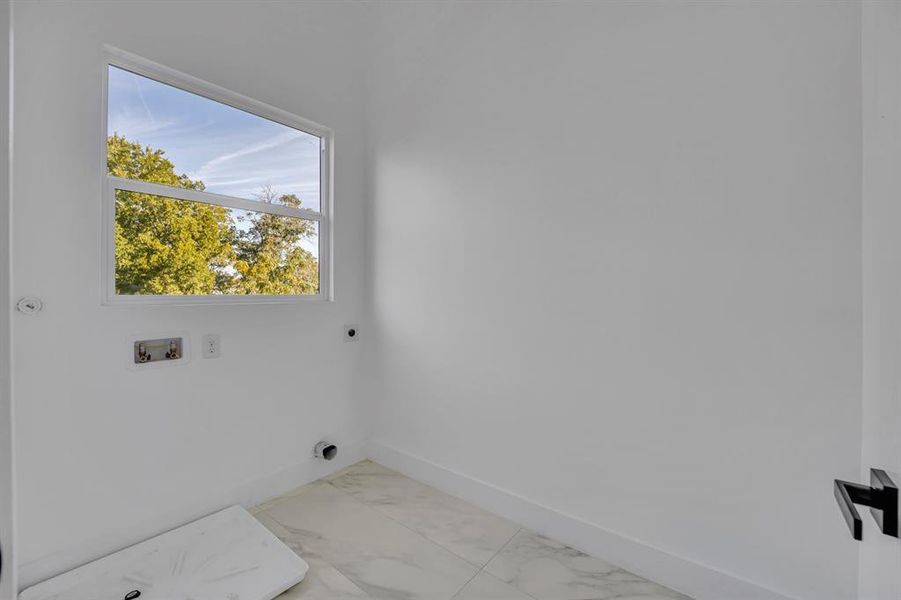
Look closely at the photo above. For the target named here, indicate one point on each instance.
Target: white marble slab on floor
(487, 587)
(548, 570)
(369, 532)
(323, 581)
(384, 558)
(469, 532)
(223, 555)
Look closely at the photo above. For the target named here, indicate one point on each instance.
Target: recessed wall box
(161, 349)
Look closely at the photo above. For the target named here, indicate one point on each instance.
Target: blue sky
(233, 152)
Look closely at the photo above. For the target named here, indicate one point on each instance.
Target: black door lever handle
(881, 496)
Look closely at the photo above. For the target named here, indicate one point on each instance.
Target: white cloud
(209, 168)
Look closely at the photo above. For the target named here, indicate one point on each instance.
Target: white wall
(616, 270)
(676, 358)
(880, 565)
(108, 456)
(8, 574)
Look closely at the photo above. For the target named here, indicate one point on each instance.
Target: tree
(168, 246)
(165, 246)
(270, 259)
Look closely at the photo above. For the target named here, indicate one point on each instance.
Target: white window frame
(162, 74)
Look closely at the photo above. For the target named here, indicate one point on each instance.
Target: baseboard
(687, 576)
(247, 494)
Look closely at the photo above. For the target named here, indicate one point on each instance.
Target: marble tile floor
(372, 533)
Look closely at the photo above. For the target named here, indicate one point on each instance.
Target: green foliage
(132, 161)
(174, 247)
(270, 259)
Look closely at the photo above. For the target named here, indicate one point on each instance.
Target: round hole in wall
(325, 450)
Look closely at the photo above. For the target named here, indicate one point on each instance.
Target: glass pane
(166, 246)
(160, 133)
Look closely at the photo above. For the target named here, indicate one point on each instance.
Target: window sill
(125, 301)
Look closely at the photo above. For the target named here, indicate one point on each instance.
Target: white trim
(163, 74)
(879, 556)
(697, 580)
(168, 191)
(9, 572)
(121, 300)
(248, 495)
(146, 68)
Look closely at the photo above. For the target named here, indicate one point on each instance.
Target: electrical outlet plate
(211, 346)
(351, 333)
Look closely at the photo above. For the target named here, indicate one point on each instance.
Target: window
(209, 196)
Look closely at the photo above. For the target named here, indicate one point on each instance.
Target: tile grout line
(487, 562)
(467, 582)
(502, 548)
(520, 528)
(278, 500)
(478, 568)
(422, 535)
(328, 562)
(327, 481)
(432, 542)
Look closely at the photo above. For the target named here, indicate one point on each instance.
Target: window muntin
(259, 230)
